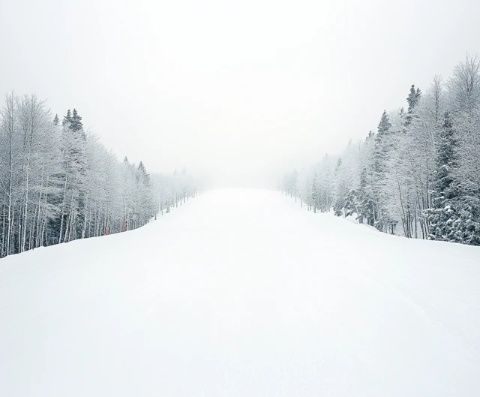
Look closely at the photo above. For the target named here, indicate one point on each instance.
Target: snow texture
(242, 293)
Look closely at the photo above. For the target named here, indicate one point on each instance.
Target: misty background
(234, 91)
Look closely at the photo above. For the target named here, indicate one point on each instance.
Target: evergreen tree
(76, 121)
(455, 216)
(384, 125)
(412, 99)
(67, 119)
(443, 217)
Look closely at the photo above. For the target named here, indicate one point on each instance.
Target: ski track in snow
(242, 293)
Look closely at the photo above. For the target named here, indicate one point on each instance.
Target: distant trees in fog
(58, 183)
(418, 175)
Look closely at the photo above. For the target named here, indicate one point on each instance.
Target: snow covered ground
(242, 293)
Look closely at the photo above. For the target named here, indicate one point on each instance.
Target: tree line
(418, 175)
(58, 183)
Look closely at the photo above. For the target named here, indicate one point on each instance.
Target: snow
(242, 293)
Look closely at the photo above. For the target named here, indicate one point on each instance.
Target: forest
(417, 175)
(58, 183)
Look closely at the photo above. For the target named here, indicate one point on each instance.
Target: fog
(234, 91)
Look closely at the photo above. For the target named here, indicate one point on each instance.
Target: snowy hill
(242, 293)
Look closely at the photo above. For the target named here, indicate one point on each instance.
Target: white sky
(232, 89)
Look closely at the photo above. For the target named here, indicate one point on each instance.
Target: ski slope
(242, 293)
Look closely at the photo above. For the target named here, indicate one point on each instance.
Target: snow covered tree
(381, 154)
(421, 169)
(464, 93)
(57, 183)
(412, 99)
(443, 217)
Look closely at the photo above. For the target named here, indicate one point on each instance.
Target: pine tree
(413, 98)
(76, 121)
(384, 125)
(443, 217)
(67, 119)
(456, 215)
